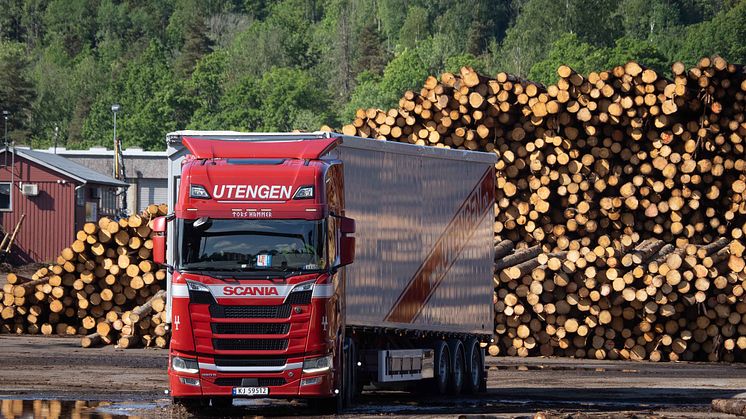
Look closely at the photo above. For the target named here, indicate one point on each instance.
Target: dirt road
(132, 382)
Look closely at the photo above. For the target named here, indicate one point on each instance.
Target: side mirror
(160, 226)
(346, 243)
(346, 250)
(346, 225)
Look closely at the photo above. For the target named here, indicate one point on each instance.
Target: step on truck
(309, 265)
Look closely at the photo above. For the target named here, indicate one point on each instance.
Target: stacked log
(651, 301)
(105, 286)
(596, 175)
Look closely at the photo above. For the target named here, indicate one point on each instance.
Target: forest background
(264, 65)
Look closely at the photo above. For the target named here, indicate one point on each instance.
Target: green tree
(72, 22)
(289, 97)
(367, 94)
(568, 50)
(416, 27)
(470, 26)
(724, 35)
(644, 52)
(541, 22)
(641, 19)
(282, 40)
(153, 102)
(196, 44)
(16, 89)
(371, 55)
(584, 57)
(206, 86)
(392, 19)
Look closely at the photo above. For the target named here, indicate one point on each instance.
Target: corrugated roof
(68, 167)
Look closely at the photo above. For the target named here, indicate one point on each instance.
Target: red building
(57, 196)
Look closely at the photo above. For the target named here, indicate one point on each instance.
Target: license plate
(250, 391)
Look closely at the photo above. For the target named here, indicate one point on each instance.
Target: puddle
(77, 409)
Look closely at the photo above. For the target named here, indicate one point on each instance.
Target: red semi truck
(309, 265)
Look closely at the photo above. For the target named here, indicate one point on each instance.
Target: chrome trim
(286, 367)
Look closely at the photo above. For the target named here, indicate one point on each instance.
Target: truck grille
(250, 328)
(250, 312)
(250, 382)
(302, 297)
(250, 344)
(224, 361)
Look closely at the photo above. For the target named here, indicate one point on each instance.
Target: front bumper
(281, 384)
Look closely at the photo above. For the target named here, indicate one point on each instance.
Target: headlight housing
(198, 191)
(304, 192)
(196, 286)
(185, 365)
(314, 365)
(306, 286)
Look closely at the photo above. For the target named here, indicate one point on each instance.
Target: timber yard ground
(54, 377)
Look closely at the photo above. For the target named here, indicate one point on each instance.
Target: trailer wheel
(458, 369)
(474, 366)
(442, 367)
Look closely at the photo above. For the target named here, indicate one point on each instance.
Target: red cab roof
(311, 148)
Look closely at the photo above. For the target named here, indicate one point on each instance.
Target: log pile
(590, 170)
(653, 301)
(105, 286)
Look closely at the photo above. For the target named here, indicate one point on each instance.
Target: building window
(5, 197)
(80, 196)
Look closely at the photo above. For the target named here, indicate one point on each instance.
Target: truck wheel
(442, 368)
(346, 386)
(474, 366)
(458, 369)
(353, 378)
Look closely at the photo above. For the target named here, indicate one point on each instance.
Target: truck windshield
(252, 245)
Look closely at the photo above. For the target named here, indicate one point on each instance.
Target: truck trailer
(308, 265)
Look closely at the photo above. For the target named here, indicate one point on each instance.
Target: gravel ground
(107, 382)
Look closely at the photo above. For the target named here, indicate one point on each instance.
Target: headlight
(189, 366)
(189, 381)
(315, 365)
(198, 191)
(196, 286)
(304, 192)
(311, 381)
(308, 286)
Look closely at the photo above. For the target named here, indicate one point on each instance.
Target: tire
(474, 357)
(346, 396)
(458, 367)
(353, 386)
(442, 367)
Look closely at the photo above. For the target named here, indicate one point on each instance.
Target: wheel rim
(475, 361)
(458, 370)
(443, 366)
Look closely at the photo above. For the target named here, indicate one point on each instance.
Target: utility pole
(115, 168)
(6, 114)
(56, 134)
